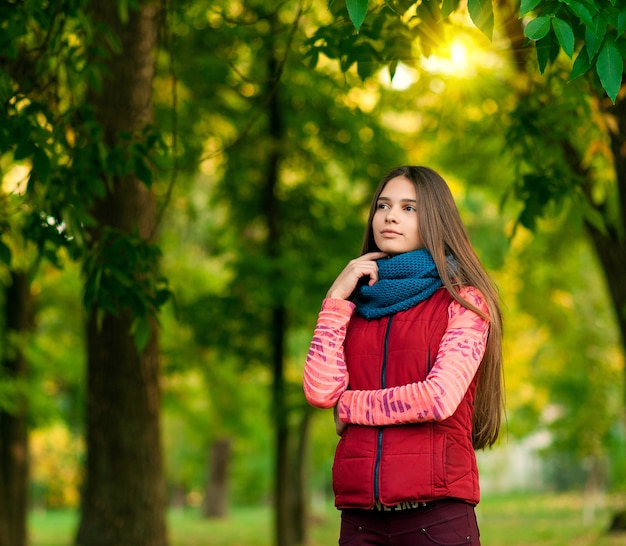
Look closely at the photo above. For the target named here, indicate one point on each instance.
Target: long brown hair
(444, 234)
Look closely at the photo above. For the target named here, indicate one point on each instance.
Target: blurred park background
(182, 180)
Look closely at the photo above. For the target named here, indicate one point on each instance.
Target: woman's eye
(410, 209)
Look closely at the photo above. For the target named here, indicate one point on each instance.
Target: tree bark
(215, 503)
(124, 499)
(285, 525)
(13, 423)
(299, 468)
(611, 245)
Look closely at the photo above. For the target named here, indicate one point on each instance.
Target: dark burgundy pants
(450, 523)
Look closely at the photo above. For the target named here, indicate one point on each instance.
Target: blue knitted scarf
(404, 280)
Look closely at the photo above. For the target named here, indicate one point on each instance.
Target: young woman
(407, 350)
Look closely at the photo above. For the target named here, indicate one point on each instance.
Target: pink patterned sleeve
(325, 372)
(437, 397)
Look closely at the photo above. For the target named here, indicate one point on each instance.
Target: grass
(511, 520)
(546, 520)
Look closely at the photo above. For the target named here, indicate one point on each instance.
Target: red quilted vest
(418, 462)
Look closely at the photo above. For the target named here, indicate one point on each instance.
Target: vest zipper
(383, 385)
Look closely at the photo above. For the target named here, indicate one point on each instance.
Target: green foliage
(575, 368)
(610, 66)
(593, 29)
(481, 12)
(382, 40)
(548, 139)
(330, 156)
(121, 272)
(538, 28)
(565, 35)
(51, 61)
(357, 10)
(54, 351)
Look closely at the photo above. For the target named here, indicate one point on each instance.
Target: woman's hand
(363, 266)
(340, 426)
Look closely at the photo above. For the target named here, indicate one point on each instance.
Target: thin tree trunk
(299, 467)
(124, 498)
(285, 525)
(215, 504)
(611, 245)
(13, 422)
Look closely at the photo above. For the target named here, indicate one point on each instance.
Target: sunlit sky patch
(453, 61)
(403, 78)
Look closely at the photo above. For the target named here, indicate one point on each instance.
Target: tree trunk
(215, 503)
(124, 498)
(611, 250)
(285, 526)
(299, 467)
(13, 422)
(611, 245)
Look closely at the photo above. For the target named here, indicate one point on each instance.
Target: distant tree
(17, 324)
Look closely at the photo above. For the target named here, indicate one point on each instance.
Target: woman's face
(394, 224)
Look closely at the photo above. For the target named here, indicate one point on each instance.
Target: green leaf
(434, 9)
(122, 11)
(5, 253)
(431, 31)
(537, 28)
(24, 149)
(390, 5)
(581, 65)
(141, 332)
(583, 14)
(610, 67)
(594, 216)
(594, 36)
(393, 65)
(365, 69)
(41, 164)
(547, 51)
(527, 5)
(621, 23)
(313, 57)
(162, 296)
(357, 9)
(448, 6)
(481, 12)
(565, 35)
(143, 172)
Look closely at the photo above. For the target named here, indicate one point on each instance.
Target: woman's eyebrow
(405, 200)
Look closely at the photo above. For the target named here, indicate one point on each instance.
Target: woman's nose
(391, 216)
